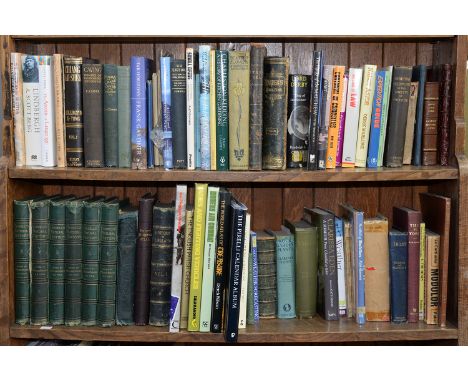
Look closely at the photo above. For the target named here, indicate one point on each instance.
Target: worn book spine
(198, 246)
(398, 112)
(353, 102)
(322, 139)
(123, 116)
(430, 129)
(445, 96)
(187, 267)
(419, 75)
(209, 253)
(179, 113)
(110, 115)
(376, 119)
(245, 275)
(315, 105)
(257, 56)
(190, 102)
(422, 273)
(166, 113)
(31, 109)
(16, 79)
(252, 289)
(213, 135)
(73, 111)
(205, 141)
(149, 123)
(341, 128)
(197, 122)
(340, 266)
(349, 268)
(384, 117)
(161, 264)
(59, 98)
(178, 240)
(410, 122)
(432, 284)
(266, 275)
(222, 109)
(298, 120)
(275, 101)
(239, 90)
(93, 115)
(156, 129)
(398, 253)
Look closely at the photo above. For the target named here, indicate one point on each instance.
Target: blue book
(197, 122)
(139, 74)
(166, 111)
(204, 113)
(419, 75)
(253, 248)
(398, 252)
(149, 109)
(376, 119)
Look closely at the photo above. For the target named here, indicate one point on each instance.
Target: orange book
(335, 109)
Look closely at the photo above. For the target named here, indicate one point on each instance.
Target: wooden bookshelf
(270, 196)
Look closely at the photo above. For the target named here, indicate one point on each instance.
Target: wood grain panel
(52, 188)
(334, 54)
(417, 189)
(106, 53)
(267, 208)
(274, 48)
(129, 50)
(424, 53)
(45, 49)
(135, 192)
(399, 195)
(300, 57)
(109, 189)
(177, 51)
(73, 49)
(399, 54)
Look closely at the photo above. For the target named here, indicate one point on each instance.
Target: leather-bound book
(398, 253)
(143, 259)
(445, 97)
(179, 113)
(430, 124)
(257, 56)
(409, 220)
(275, 102)
(92, 115)
(419, 75)
(266, 275)
(222, 109)
(398, 113)
(123, 116)
(110, 104)
(186, 267)
(161, 264)
(410, 123)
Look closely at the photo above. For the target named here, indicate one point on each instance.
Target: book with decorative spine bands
(245, 275)
(252, 290)
(204, 102)
(341, 129)
(422, 272)
(266, 275)
(376, 119)
(222, 110)
(213, 134)
(385, 108)
(190, 94)
(17, 108)
(59, 93)
(432, 284)
(187, 267)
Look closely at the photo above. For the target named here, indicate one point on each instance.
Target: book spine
(239, 99)
(59, 108)
(340, 264)
(198, 246)
(432, 280)
(197, 122)
(315, 105)
(430, 124)
(419, 74)
(161, 264)
(398, 275)
(177, 256)
(444, 113)
(245, 275)
(353, 102)
(349, 268)
(413, 266)
(322, 139)
(93, 115)
(123, 116)
(205, 141)
(149, 123)
(367, 97)
(211, 227)
(285, 271)
(376, 120)
(335, 109)
(339, 152)
(166, 112)
(330, 270)
(73, 111)
(190, 102)
(360, 302)
(156, 135)
(252, 290)
(298, 120)
(179, 113)
(110, 104)
(257, 56)
(222, 110)
(410, 122)
(213, 135)
(422, 275)
(384, 119)
(138, 112)
(17, 108)
(250, 303)
(31, 102)
(187, 267)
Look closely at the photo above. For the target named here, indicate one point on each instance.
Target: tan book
(376, 264)
(410, 121)
(432, 278)
(349, 268)
(59, 109)
(17, 108)
(186, 268)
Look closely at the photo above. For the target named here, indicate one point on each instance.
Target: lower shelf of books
(267, 331)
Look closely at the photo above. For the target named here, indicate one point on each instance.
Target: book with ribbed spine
(432, 283)
(376, 119)
(252, 288)
(430, 128)
(315, 107)
(267, 295)
(340, 265)
(222, 109)
(419, 75)
(322, 138)
(245, 275)
(398, 254)
(410, 122)
(179, 113)
(211, 227)
(341, 128)
(186, 268)
(422, 273)
(190, 94)
(178, 246)
(385, 108)
(198, 246)
(204, 108)
(110, 104)
(16, 79)
(59, 115)
(156, 129)
(149, 123)
(123, 116)
(166, 113)
(213, 135)
(197, 122)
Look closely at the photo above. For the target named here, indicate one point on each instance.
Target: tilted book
(179, 113)
(340, 265)
(410, 122)
(222, 110)
(16, 79)
(204, 102)
(166, 112)
(186, 268)
(110, 114)
(432, 284)
(385, 109)
(213, 134)
(190, 102)
(59, 97)
(398, 254)
(419, 75)
(245, 275)
(123, 116)
(315, 108)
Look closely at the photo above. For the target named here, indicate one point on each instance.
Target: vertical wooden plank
(109, 189)
(274, 48)
(74, 49)
(417, 189)
(334, 53)
(300, 57)
(401, 53)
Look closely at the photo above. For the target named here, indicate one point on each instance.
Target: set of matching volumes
(227, 110)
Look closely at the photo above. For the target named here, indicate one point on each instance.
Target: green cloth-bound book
(123, 116)
(110, 104)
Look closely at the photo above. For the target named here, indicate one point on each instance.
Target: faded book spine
(123, 116)
(205, 148)
(266, 275)
(59, 93)
(444, 113)
(432, 278)
(385, 109)
(156, 134)
(213, 134)
(422, 274)
(17, 108)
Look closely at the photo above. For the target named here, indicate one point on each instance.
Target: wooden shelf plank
(268, 331)
(154, 175)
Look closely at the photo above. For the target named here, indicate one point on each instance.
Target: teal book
(222, 110)
(384, 114)
(123, 116)
(110, 102)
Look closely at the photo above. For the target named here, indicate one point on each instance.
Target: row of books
(227, 110)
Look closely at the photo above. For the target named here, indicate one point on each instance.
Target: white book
(177, 257)
(31, 110)
(17, 107)
(365, 112)
(209, 254)
(189, 57)
(245, 275)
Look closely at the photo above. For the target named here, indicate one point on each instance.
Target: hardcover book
(445, 92)
(267, 296)
(245, 275)
(430, 129)
(186, 268)
(419, 75)
(398, 253)
(252, 287)
(213, 135)
(385, 108)
(376, 119)
(156, 130)
(322, 139)
(222, 110)
(123, 116)
(432, 284)
(315, 106)
(110, 114)
(179, 113)
(204, 107)
(166, 112)
(349, 268)
(16, 78)
(410, 122)
(149, 124)
(190, 62)
(340, 265)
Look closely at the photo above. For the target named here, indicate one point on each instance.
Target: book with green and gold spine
(222, 110)
(213, 109)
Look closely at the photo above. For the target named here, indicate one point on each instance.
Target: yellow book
(422, 275)
(432, 278)
(213, 108)
(198, 244)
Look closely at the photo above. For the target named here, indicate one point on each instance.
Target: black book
(179, 113)
(315, 102)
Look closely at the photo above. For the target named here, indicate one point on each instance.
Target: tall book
(445, 92)
(432, 284)
(398, 254)
(353, 102)
(267, 296)
(422, 272)
(365, 114)
(238, 215)
(186, 268)
(419, 75)
(275, 103)
(341, 129)
(161, 264)
(197, 122)
(322, 139)
(178, 244)
(209, 254)
(31, 108)
(315, 106)
(340, 266)
(252, 287)
(110, 115)
(349, 268)
(156, 135)
(298, 120)
(93, 115)
(257, 56)
(149, 123)
(409, 220)
(410, 123)
(398, 112)
(221, 261)
(198, 246)
(59, 98)
(238, 85)
(213, 135)
(335, 109)
(204, 107)
(123, 116)
(385, 109)
(245, 275)
(16, 79)
(179, 113)
(430, 125)
(166, 112)
(222, 109)
(190, 103)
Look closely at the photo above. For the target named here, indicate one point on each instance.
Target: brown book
(376, 265)
(435, 211)
(410, 121)
(445, 90)
(349, 268)
(266, 256)
(430, 126)
(432, 278)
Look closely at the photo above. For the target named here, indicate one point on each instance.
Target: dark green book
(73, 259)
(91, 254)
(222, 110)
(57, 260)
(123, 116)
(111, 137)
(126, 251)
